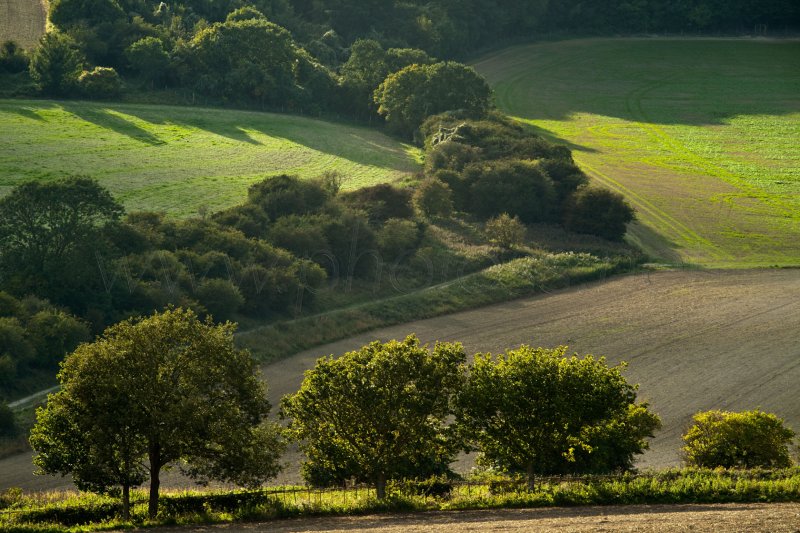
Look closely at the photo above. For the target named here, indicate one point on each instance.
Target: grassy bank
(85, 512)
(699, 135)
(514, 279)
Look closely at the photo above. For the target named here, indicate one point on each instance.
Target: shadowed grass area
(176, 159)
(700, 135)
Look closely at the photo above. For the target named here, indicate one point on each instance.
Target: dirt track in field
(643, 518)
(694, 340)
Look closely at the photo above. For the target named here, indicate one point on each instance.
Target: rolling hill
(176, 159)
(701, 136)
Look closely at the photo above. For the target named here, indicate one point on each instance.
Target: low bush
(598, 212)
(738, 440)
(100, 82)
(434, 198)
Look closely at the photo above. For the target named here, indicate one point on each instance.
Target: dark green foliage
(749, 439)
(8, 424)
(536, 412)
(434, 198)
(598, 212)
(148, 58)
(408, 97)
(54, 334)
(66, 13)
(519, 188)
(50, 233)
(12, 58)
(381, 202)
(377, 413)
(221, 297)
(398, 239)
(56, 64)
(100, 82)
(243, 60)
(287, 195)
(245, 13)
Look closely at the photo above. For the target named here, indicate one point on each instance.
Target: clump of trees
(493, 166)
(748, 439)
(382, 413)
(152, 392)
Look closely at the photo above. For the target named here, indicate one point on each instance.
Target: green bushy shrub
(747, 439)
(598, 212)
(397, 238)
(505, 231)
(100, 82)
(221, 297)
(434, 198)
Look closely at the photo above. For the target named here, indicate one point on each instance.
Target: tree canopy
(377, 413)
(535, 411)
(152, 392)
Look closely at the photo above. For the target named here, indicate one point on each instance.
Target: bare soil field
(22, 21)
(644, 518)
(694, 340)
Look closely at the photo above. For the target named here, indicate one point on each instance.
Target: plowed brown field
(694, 340)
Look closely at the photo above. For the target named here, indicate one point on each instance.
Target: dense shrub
(303, 235)
(148, 58)
(8, 424)
(397, 239)
(287, 195)
(12, 58)
(519, 188)
(434, 198)
(505, 231)
(598, 212)
(381, 202)
(221, 297)
(100, 82)
(747, 439)
(54, 334)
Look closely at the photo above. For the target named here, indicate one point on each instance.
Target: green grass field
(176, 159)
(702, 136)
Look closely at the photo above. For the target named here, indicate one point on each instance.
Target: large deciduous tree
(49, 235)
(409, 96)
(153, 392)
(377, 413)
(534, 411)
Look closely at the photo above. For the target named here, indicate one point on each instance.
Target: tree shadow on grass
(656, 81)
(23, 111)
(365, 147)
(99, 115)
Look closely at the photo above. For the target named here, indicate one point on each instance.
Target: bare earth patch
(644, 518)
(694, 340)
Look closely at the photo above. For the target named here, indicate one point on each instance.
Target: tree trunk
(531, 478)
(380, 486)
(155, 482)
(126, 502)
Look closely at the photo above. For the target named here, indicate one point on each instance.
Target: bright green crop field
(176, 159)
(702, 136)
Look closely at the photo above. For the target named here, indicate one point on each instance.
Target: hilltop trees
(151, 392)
(534, 411)
(377, 413)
